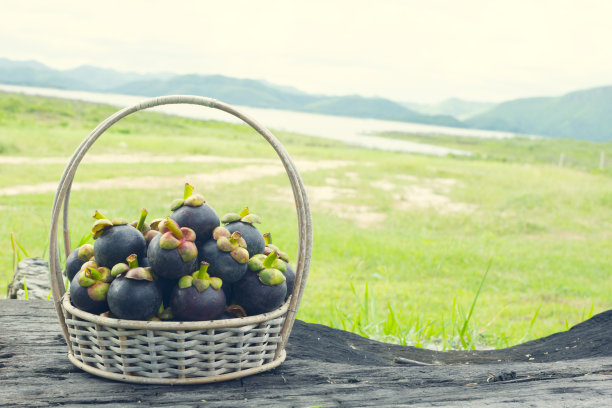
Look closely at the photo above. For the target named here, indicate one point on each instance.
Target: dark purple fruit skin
(202, 220)
(133, 299)
(189, 304)
(222, 265)
(227, 289)
(117, 243)
(81, 300)
(255, 297)
(73, 264)
(289, 279)
(226, 315)
(168, 263)
(253, 238)
(166, 286)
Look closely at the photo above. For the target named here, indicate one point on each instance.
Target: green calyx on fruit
(85, 252)
(101, 274)
(232, 243)
(271, 248)
(189, 199)
(154, 225)
(96, 280)
(102, 223)
(131, 270)
(119, 268)
(244, 216)
(98, 291)
(257, 263)
(268, 268)
(182, 239)
(200, 279)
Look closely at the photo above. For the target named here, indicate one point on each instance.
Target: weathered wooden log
(324, 367)
(34, 272)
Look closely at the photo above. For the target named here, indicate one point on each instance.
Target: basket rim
(172, 325)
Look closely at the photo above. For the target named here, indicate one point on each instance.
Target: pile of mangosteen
(190, 265)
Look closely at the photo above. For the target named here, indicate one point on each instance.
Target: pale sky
(417, 51)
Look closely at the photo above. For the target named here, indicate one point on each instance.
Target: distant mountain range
(583, 114)
(247, 92)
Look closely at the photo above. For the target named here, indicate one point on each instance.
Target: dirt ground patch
(127, 158)
(424, 193)
(420, 193)
(260, 168)
(325, 198)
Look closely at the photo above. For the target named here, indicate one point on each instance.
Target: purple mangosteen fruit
(89, 288)
(198, 296)
(286, 269)
(173, 253)
(227, 255)
(243, 222)
(193, 212)
(133, 294)
(263, 287)
(77, 258)
(115, 241)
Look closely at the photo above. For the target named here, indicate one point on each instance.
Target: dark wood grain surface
(324, 368)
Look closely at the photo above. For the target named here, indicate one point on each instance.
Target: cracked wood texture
(324, 368)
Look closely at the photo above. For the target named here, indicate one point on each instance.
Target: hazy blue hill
(102, 79)
(84, 78)
(231, 90)
(7, 63)
(377, 108)
(456, 107)
(584, 114)
(261, 94)
(32, 73)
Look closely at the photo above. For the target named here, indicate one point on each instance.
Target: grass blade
(463, 330)
(16, 256)
(84, 239)
(25, 288)
(22, 249)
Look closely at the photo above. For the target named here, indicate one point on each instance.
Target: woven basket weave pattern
(174, 353)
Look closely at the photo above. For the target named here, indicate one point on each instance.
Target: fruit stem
(98, 216)
(141, 220)
(188, 191)
(203, 272)
(173, 228)
(132, 261)
(269, 261)
(244, 212)
(267, 238)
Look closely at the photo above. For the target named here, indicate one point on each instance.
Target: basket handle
(301, 201)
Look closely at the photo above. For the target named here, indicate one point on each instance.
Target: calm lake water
(354, 131)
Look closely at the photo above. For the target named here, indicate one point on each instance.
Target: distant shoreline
(350, 130)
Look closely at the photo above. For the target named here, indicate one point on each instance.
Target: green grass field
(401, 242)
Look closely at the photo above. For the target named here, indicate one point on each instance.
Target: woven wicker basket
(176, 352)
